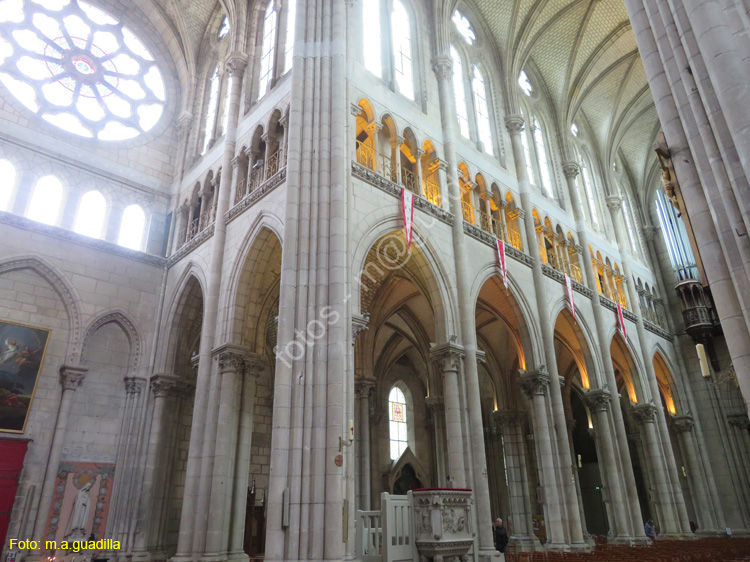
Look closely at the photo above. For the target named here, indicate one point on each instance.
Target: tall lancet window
(213, 102)
(460, 93)
(483, 114)
(541, 153)
(398, 423)
(291, 15)
(90, 217)
(527, 154)
(629, 225)
(132, 227)
(46, 200)
(401, 29)
(589, 187)
(371, 36)
(269, 41)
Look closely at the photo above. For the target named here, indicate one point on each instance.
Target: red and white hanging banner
(407, 206)
(569, 288)
(621, 321)
(501, 259)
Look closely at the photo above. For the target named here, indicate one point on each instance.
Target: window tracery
(79, 69)
(523, 82)
(464, 28)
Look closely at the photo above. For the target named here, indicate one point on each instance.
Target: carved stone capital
(254, 365)
(435, 405)
(71, 376)
(644, 413)
(363, 387)
(359, 325)
(134, 385)
(649, 231)
(236, 162)
(184, 121)
(571, 169)
(739, 420)
(614, 203)
(509, 418)
(442, 66)
(534, 382)
(355, 109)
(440, 164)
(169, 385)
(598, 399)
(231, 358)
(447, 357)
(236, 63)
(682, 424)
(514, 124)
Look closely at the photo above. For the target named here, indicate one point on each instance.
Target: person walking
(501, 535)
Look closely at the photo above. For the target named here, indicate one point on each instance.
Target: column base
(147, 556)
(182, 557)
(488, 555)
(524, 543)
(629, 541)
(673, 537)
(557, 546)
(214, 557)
(579, 547)
(239, 556)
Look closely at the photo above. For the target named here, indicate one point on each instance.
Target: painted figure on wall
(21, 355)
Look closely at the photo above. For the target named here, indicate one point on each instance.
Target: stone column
(573, 524)
(124, 499)
(514, 449)
(178, 236)
(443, 68)
(418, 170)
(148, 517)
(535, 385)
(231, 369)
(235, 180)
(625, 470)
(683, 427)
(71, 377)
(678, 501)
(396, 143)
(599, 402)
(253, 367)
(447, 360)
(113, 222)
(645, 415)
(199, 463)
(437, 411)
(739, 424)
(362, 390)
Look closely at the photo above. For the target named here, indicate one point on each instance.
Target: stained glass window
(90, 216)
(213, 101)
(526, 86)
(541, 154)
(78, 68)
(269, 41)
(46, 200)
(460, 93)
(483, 114)
(131, 228)
(401, 29)
(398, 423)
(289, 47)
(371, 36)
(463, 26)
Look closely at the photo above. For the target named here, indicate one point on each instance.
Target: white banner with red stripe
(569, 288)
(407, 206)
(621, 321)
(501, 259)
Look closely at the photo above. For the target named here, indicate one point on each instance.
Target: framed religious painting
(22, 350)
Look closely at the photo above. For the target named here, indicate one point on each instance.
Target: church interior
(352, 279)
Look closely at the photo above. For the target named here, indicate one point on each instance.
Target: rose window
(79, 68)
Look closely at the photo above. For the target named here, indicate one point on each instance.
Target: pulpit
(442, 523)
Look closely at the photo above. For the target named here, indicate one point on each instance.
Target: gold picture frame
(22, 352)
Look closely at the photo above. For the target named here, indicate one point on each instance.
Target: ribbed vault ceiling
(585, 54)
